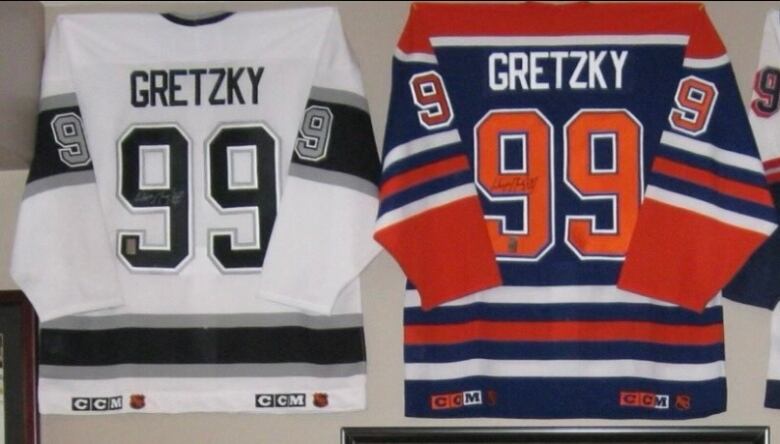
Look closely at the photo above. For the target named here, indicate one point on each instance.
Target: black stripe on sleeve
(351, 146)
(47, 162)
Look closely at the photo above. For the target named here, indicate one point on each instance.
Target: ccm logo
(96, 404)
(280, 400)
(644, 400)
(456, 400)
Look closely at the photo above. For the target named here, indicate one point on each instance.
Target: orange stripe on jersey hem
(423, 174)
(587, 331)
(712, 181)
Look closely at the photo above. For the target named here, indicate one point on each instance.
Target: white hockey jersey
(199, 207)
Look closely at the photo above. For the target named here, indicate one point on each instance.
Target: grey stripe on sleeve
(59, 181)
(68, 100)
(338, 96)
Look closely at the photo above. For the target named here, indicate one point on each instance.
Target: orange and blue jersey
(567, 188)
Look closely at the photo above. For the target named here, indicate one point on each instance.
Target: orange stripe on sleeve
(683, 257)
(712, 181)
(774, 163)
(444, 251)
(423, 174)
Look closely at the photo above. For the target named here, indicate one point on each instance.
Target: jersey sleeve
(62, 257)
(706, 206)
(322, 235)
(758, 282)
(430, 219)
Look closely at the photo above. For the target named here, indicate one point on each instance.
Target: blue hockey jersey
(567, 188)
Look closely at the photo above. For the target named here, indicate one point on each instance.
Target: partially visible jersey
(758, 283)
(567, 188)
(199, 207)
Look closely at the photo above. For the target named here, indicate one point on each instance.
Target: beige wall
(21, 53)
(372, 29)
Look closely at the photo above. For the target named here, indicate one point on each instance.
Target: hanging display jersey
(567, 188)
(758, 283)
(199, 207)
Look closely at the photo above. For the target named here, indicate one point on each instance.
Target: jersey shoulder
(688, 21)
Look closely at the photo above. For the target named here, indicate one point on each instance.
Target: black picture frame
(18, 330)
(555, 435)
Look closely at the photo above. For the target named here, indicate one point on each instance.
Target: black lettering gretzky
(195, 86)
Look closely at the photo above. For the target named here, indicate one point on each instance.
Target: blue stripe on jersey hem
(562, 312)
(424, 190)
(705, 163)
(564, 398)
(420, 160)
(728, 203)
(677, 354)
(772, 399)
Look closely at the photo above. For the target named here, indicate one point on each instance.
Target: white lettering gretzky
(526, 70)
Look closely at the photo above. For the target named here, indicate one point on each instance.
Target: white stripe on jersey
(724, 157)
(415, 57)
(710, 210)
(615, 368)
(176, 395)
(612, 40)
(425, 204)
(419, 145)
(571, 294)
(715, 62)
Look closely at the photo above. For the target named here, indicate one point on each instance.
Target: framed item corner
(18, 326)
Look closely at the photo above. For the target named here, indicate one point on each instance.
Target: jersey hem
(77, 309)
(575, 416)
(286, 300)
